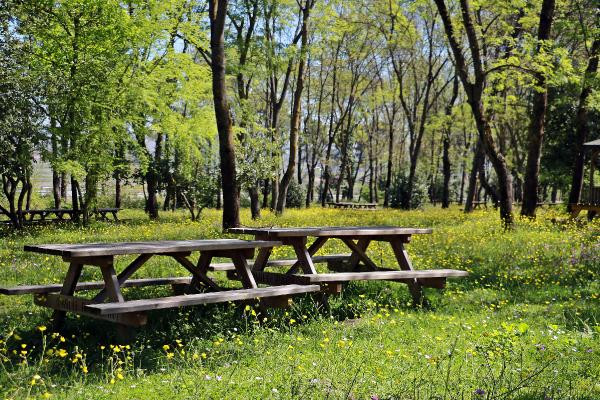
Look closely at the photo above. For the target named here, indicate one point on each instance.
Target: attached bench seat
(430, 277)
(201, 298)
(55, 288)
(228, 266)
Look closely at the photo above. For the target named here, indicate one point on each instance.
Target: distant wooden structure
(63, 214)
(360, 206)
(590, 196)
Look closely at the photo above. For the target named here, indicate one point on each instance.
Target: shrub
(400, 192)
(296, 195)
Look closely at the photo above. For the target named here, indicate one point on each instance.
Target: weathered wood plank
(76, 305)
(331, 231)
(386, 275)
(152, 247)
(276, 279)
(201, 298)
(94, 285)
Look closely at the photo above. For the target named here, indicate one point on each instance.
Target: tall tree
(581, 127)
(474, 89)
(217, 12)
(305, 8)
(536, 126)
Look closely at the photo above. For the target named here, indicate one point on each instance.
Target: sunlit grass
(525, 324)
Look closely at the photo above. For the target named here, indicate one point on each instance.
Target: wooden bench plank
(77, 305)
(431, 278)
(201, 298)
(151, 247)
(54, 288)
(386, 275)
(228, 266)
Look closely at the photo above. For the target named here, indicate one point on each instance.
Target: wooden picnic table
(65, 214)
(344, 205)
(357, 239)
(131, 313)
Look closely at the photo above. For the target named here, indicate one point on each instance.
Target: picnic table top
(351, 203)
(151, 247)
(331, 231)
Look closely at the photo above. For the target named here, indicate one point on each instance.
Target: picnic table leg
(195, 271)
(312, 249)
(304, 257)
(111, 282)
(261, 259)
(355, 257)
(404, 262)
(124, 275)
(202, 267)
(113, 288)
(58, 317)
(243, 270)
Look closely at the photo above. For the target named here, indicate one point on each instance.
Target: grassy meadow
(524, 325)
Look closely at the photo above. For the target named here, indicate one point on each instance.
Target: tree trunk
(295, 117)
(446, 171)
(254, 201)
(388, 177)
(446, 168)
(536, 127)
(118, 191)
(217, 11)
(265, 200)
(478, 160)
(311, 187)
(56, 188)
(274, 192)
(74, 199)
(581, 130)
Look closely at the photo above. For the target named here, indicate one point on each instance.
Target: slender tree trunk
(217, 10)
(274, 192)
(581, 123)
(331, 132)
(254, 201)
(265, 200)
(446, 171)
(446, 168)
(536, 127)
(388, 178)
(295, 117)
(478, 160)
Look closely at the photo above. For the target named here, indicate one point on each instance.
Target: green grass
(524, 325)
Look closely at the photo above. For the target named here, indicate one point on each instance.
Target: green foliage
(296, 195)
(399, 191)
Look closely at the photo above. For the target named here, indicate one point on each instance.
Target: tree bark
(536, 126)
(254, 201)
(217, 11)
(478, 160)
(582, 128)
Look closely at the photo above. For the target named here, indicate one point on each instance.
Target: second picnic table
(357, 239)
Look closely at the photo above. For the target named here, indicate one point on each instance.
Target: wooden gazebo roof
(593, 143)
